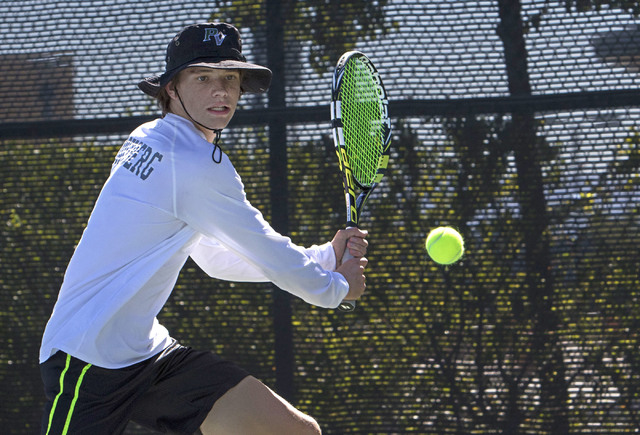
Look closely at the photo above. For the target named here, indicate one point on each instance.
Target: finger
(357, 242)
(357, 252)
(357, 246)
(356, 232)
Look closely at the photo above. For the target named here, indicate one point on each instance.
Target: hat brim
(256, 79)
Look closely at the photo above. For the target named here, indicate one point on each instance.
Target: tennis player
(173, 194)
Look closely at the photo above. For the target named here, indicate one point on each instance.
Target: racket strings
(362, 121)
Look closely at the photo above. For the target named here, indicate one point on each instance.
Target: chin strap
(216, 155)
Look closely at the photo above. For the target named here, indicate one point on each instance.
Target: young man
(173, 194)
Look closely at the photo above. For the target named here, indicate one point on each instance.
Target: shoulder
(141, 153)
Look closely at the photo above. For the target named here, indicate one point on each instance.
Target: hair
(164, 100)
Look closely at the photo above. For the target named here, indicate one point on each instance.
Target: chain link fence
(514, 121)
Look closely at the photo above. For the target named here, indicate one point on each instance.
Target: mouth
(219, 110)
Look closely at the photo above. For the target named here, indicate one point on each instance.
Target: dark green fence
(515, 123)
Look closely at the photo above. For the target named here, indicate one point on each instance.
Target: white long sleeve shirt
(166, 200)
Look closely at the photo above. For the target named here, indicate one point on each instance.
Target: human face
(210, 97)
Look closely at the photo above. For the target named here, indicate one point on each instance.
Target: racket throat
(354, 211)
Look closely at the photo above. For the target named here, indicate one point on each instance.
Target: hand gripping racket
(361, 134)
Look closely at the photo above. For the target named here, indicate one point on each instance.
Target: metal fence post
(279, 194)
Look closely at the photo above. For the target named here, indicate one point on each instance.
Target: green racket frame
(361, 133)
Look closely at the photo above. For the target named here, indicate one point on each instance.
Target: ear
(171, 90)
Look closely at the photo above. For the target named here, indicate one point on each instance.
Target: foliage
(598, 5)
(631, 6)
(477, 347)
(331, 27)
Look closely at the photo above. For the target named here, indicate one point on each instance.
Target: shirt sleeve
(211, 199)
(218, 262)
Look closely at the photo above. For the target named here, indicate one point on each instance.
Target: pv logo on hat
(217, 34)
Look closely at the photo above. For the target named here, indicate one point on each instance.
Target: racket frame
(355, 204)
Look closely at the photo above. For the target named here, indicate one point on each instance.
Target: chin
(221, 120)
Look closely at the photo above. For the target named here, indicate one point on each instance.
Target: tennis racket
(361, 134)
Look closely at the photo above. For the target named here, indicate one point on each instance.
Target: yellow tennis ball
(444, 245)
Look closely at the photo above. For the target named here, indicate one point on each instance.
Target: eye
(202, 78)
(231, 77)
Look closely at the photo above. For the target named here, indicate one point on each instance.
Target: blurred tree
(609, 285)
(534, 222)
(631, 6)
(331, 27)
(48, 208)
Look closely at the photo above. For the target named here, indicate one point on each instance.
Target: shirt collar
(174, 119)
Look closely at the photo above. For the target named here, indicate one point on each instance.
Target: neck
(212, 134)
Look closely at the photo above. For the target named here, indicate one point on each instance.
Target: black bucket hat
(209, 45)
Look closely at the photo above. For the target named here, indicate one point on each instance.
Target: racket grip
(346, 306)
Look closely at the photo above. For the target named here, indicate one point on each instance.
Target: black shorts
(172, 392)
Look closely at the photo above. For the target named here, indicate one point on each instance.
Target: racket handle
(345, 305)
(347, 255)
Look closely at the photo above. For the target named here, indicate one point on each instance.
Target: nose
(219, 88)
